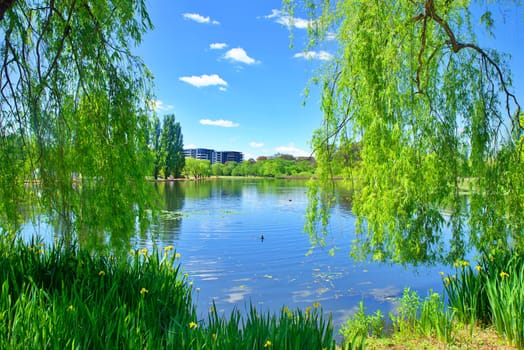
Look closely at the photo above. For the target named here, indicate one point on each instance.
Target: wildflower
(441, 273)
(178, 256)
(192, 325)
(268, 344)
(316, 304)
(447, 281)
(503, 274)
(478, 268)
(143, 251)
(456, 264)
(101, 273)
(168, 248)
(212, 309)
(308, 309)
(70, 308)
(214, 336)
(464, 263)
(131, 252)
(143, 291)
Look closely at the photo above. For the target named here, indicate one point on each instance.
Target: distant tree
(156, 145)
(217, 169)
(285, 156)
(172, 147)
(196, 168)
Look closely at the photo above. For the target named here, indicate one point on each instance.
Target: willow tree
(73, 112)
(423, 100)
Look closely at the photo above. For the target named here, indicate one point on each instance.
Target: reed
(64, 297)
(491, 293)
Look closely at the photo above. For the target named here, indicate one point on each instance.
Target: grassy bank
(62, 297)
(482, 308)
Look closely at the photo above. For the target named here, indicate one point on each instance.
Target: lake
(219, 238)
(217, 227)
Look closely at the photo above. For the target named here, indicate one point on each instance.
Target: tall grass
(491, 293)
(63, 297)
(415, 317)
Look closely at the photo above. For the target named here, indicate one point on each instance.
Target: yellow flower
(131, 252)
(503, 274)
(143, 251)
(316, 304)
(456, 264)
(478, 268)
(308, 309)
(268, 344)
(101, 273)
(143, 291)
(192, 325)
(168, 248)
(447, 281)
(212, 309)
(71, 308)
(441, 273)
(178, 256)
(464, 263)
(214, 335)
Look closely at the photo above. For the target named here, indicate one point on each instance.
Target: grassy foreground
(482, 308)
(67, 298)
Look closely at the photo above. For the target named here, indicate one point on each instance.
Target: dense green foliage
(278, 166)
(73, 107)
(410, 83)
(63, 297)
(172, 146)
(197, 168)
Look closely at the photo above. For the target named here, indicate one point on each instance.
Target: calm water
(219, 234)
(216, 227)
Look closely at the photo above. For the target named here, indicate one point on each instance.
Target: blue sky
(227, 70)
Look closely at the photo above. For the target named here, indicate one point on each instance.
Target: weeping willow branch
(456, 46)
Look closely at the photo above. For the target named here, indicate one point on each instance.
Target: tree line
(281, 165)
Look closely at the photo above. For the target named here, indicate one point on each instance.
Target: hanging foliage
(431, 111)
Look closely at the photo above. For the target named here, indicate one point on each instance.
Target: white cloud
(217, 46)
(199, 18)
(204, 80)
(222, 88)
(289, 21)
(159, 106)
(190, 146)
(254, 144)
(220, 122)
(291, 149)
(314, 55)
(238, 54)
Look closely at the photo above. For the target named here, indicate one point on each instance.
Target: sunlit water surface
(216, 226)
